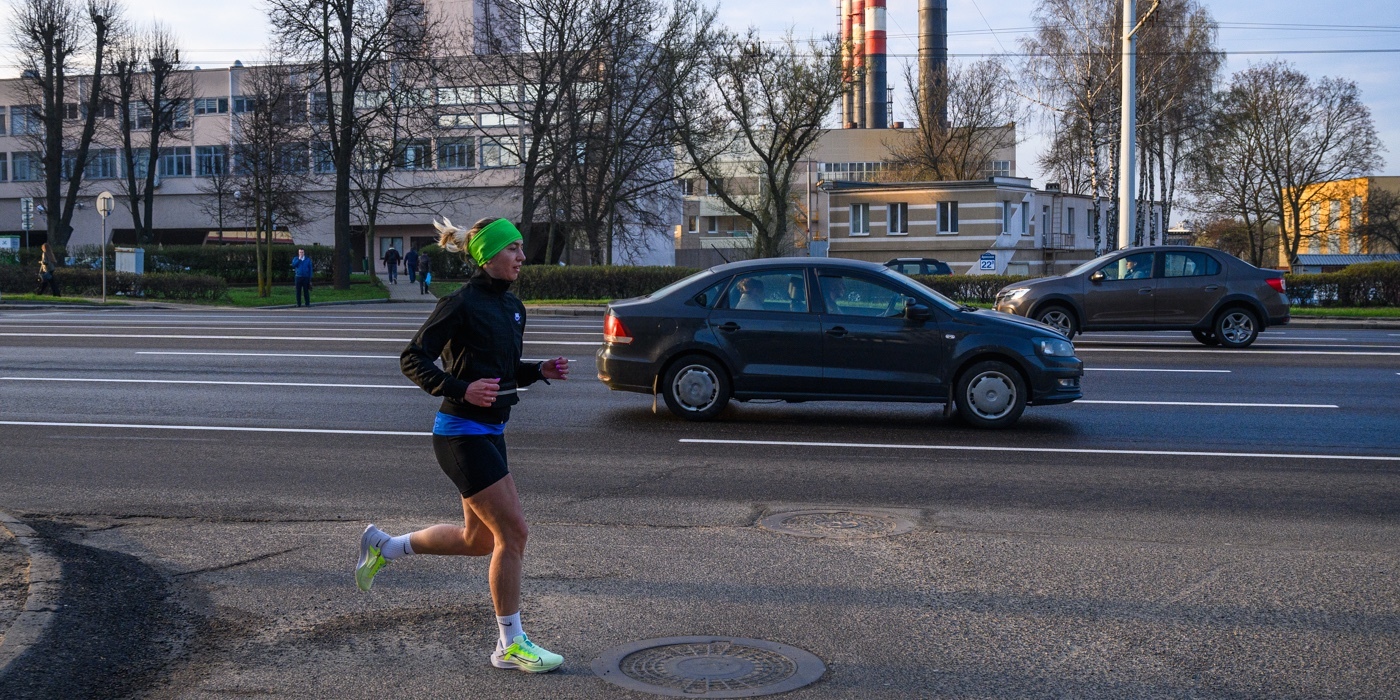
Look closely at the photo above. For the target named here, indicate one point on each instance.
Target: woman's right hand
(482, 392)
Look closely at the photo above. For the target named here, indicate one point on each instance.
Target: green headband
(491, 239)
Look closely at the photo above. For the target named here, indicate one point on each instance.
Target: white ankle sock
(396, 547)
(510, 629)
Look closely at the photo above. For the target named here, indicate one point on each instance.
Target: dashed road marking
(1043, 450)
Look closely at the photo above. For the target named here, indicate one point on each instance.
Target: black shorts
(472, 462)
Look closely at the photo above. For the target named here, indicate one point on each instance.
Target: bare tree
(1380, 227)
(757, 114)
(1225, 177)
(153, 96)
(56, 39)
(218, 184)
(982, 108)
(349, 42)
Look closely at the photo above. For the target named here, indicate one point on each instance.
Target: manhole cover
(708, 667)
(837, 524)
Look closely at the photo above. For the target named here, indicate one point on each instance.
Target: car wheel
(990, 395)
(1236, 328)
(695, 388)
(1206, 338)
(1060, 318)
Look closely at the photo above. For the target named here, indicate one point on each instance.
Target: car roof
(827, 263)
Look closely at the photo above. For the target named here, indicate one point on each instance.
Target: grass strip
(44, 298)
(1346, 311)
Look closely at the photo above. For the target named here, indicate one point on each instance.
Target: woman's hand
(482, 392)
(557, 368)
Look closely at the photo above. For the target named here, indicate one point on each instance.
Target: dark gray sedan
(820, 329)
(1221, 299)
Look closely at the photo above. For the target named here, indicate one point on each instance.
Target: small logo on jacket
(517, 317)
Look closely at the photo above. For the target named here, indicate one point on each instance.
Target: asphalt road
(1206, 523)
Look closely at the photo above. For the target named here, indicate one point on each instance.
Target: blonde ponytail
(455, 240)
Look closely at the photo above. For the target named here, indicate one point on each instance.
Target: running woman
(478, 333)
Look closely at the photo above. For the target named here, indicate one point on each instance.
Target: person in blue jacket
(301, 276)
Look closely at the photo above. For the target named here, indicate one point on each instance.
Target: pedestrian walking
(301, 276)
(425, 273)
(48, 271)
(478, 333)
(410, 265)
(391, 262)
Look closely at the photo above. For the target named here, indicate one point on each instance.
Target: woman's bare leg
(498, 508)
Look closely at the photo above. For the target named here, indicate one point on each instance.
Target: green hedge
(73, 281)
(969, 288)
(1367, 284)
(235, 264)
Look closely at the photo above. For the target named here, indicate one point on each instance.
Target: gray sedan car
(1221, 299)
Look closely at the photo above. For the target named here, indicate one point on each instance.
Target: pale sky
(217, 33)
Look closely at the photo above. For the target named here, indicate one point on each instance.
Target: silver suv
(1221, 299)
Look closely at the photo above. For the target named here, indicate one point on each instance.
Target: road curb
(1345, 324)
(567, 310)
(45, 582)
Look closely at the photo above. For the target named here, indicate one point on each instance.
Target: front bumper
(1016, 306)
(1056, 381)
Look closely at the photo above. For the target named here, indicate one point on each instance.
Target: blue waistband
(446, 424)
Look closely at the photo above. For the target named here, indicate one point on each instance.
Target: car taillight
(614, 331)
(1278, 284)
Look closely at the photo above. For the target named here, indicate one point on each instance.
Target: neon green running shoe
(526, 656)
(371, 561)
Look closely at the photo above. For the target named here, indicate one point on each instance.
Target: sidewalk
(404, 290)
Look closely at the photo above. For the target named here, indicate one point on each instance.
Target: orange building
(1332, 212)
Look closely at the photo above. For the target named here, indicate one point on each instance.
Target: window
(455, 121)
(1354, 243)
(24, 120)
(1069, 220)
(177, 114)
(1045, 223)
(1334, 214)
(860, 219)
(293, 158)
(243, 104)
(139, 115)
(1000, 168)
(898, 219)
(712, 224)
(1137, 266)
(1356, 212)
(947, 217)
(1334, 243)
(456, 96)
(772, 290)
(857, 172)
(1190, 265)
(856, 296)
(415, 155)
(174, 162)
(710, 296)
(140, 162)
(1025, 219)
(694, 224)
(322, 160)
(500, 93)
(210, 160)
(4, 129)
(496, 119)
(500, 152)
(1006, 217)
(4, 167)
(27, 167)
(457, 154)
(70, 111)
(1315, 213)
(211, 105)
(102, 165)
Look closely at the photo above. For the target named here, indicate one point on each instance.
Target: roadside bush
(593, 281)
(969, 288)
(75, 281)
(1367, 284)
(235, 264)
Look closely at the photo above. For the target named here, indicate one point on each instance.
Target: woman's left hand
(557, 368)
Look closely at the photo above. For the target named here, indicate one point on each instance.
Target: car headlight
(1055, 347)
(1013, 294)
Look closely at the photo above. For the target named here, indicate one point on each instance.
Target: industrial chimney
(847, 108)
(933, 57)
(858, 65)
(875, 115)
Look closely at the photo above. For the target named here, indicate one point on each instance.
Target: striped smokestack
(875, 96)
(847, 97)
(858, 61)
(933, 58)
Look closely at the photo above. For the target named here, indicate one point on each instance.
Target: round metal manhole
(837, 524)
(708, 667)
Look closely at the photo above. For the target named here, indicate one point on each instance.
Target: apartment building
(1333, 213)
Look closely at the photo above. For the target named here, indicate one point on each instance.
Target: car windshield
(1091, 265)
(938, 299)
(661, 293)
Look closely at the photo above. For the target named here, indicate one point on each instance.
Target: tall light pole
(105, 204)
(1127, 130)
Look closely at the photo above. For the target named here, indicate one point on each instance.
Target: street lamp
(105, 204)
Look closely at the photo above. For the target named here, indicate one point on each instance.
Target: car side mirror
(915, 311)
(1097, 277)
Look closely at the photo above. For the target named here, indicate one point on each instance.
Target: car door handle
(1145, 290)
(1212, 287)
(729, 326)
(837, 331)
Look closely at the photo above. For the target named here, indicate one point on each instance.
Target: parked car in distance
(826, 329)
(919, 266)
(1221, 299)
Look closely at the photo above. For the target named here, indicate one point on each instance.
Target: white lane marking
(1051, 450)
(120, 323)
(259, 337)
(1145, 369)
(268, 354)
(201, 381)
(1245, 353)
(1095, 336)
(217, 428)
(1211, 403)
(1264, 346)
(314, 329)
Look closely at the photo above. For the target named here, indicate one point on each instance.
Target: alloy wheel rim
(1237, 327)
(1057, 319)
(991, 395)
(695, 388)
